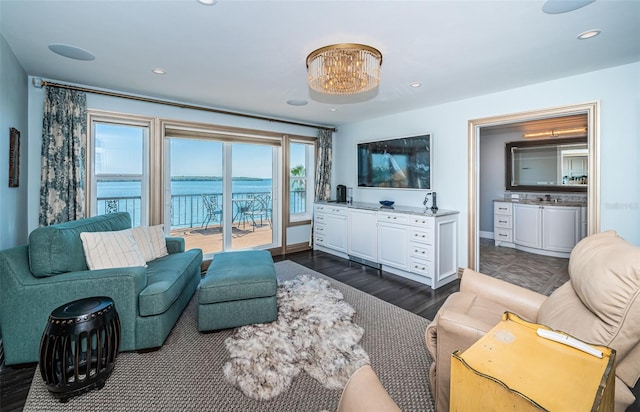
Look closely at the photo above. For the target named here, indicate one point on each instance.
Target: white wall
(114, 104)
(13, 113)
(618, 91)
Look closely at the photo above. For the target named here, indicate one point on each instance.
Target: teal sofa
(51, 270)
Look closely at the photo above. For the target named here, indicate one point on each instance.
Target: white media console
(411, 242)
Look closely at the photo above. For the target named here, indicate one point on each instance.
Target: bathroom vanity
(545, 227)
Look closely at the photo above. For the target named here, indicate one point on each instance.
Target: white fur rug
(314, 332)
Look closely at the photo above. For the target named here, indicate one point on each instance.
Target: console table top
(395, 208)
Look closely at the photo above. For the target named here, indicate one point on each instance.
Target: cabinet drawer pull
(502, 221)
(502, 234)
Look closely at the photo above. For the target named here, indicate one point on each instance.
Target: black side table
(79, 346)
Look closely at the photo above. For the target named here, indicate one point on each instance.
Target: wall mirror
(549, 165)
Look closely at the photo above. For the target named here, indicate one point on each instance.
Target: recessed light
(207, 2)
(333, 109)
(158, 70)
(297, 102)
(563, 6)
(588, 34)
(71, 52)
(415, 84)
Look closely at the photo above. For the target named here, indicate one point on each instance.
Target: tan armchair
(600, 304)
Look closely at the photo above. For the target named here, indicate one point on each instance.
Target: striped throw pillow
(104, 250)
(151, 241)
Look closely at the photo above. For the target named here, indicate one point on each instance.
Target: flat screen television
(403, 162)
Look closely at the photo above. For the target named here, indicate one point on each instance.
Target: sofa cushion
(115, 249)
(151, 241)
(166, 278)
(58, 249)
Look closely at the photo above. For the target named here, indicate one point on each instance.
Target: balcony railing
(189, 210)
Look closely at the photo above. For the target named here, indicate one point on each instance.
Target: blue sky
(123, 148)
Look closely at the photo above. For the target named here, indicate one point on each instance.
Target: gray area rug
(186, 373)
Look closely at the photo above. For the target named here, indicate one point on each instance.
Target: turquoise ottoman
(238, 289)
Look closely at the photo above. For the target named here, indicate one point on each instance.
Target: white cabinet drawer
(502, 208)
(334, 210)
(422, 236)
(337, 210)
(504, 235)
(320, 228)
(503, 221)
(422, 251)
(398, 218)
(422, 221)
(320, 240)
(421, 267)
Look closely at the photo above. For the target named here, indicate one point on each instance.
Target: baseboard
(486, 235)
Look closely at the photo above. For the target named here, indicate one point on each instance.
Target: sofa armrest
(524, 302)
(364, 393)
(26, 302)
(175, 244)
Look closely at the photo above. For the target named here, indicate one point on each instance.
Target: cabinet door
(560, 228)
(336, 232)
(527, 228)
(393, 245)
(363, 237)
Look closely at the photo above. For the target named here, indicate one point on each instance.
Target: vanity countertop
(395, 208)
(552, 202)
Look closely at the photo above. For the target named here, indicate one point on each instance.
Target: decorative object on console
(387, 203)
(344, 69)
(429, 201)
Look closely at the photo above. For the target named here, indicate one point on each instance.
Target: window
(301, 179)
(222, 189)
(118, 167)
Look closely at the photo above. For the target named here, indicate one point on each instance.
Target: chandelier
(344, 69)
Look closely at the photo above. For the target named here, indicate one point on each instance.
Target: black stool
(79, 346)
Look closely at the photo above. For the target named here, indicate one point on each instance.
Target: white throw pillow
(141, 235)
(105, 250)
(151, 241)
(158, 241)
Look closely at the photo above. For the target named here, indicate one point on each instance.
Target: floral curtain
(323, 169)
(63, 156)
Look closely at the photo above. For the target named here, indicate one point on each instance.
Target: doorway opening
(516, 121)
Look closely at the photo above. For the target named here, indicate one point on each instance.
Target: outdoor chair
(211, 208)
(261, 208)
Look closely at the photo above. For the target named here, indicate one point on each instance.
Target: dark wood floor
(412, 296)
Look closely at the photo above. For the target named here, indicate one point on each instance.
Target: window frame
(147, 193)
(299, 219)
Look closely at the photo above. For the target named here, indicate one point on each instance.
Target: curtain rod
(41, 83)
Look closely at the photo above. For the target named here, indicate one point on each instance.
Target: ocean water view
(112, 189)
(188, 208)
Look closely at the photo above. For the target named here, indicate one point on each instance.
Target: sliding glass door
(221, 195)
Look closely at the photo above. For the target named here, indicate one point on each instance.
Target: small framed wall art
(14, 157)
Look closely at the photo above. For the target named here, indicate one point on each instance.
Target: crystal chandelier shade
(344, 69)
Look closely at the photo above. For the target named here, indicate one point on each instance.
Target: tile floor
(544, 274)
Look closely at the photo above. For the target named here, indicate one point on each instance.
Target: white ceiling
(249, 56)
